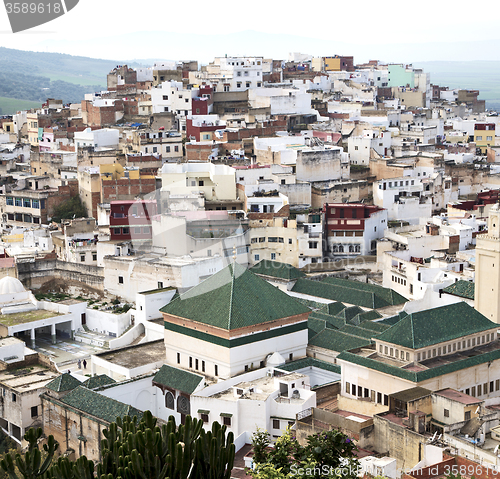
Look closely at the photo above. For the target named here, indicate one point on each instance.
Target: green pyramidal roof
(64, 382)
(277, 270)
(98, 381)
(234, 298)
(433, 326)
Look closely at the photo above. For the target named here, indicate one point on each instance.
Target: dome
(10, 285)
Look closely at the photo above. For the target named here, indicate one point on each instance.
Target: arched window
(357, 248)
(335, 248)
(169, 400)
(351, 248)
(183, 405)
(341, 248)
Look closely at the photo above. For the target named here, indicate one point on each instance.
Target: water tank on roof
(296, 394)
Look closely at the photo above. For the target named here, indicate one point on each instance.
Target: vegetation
(10, 106)
(69, 209)
(37, 76)
(326, 455)
(135, 449)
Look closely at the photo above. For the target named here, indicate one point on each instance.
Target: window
(14, 397)
(273, 256)
(34, 411)
(167, 149)
(272, 239)
(467, 416)
(165, 97)
(489, 138)
(247, 84)
(145, 230)
(94, 256)
(204, 417)
(176, 148)
(169, 400)
(19, 202)
(125, 231)
(276, 423)
(479, 138)
(479, 390)
(137, 230)
(313, 245)
(203, 366)
(178, 358)
(257, 257)
(347, 388)
(120, 279)
(290, 241)
(10, 201)
(446, 413)
(82, 258)
(117, 231)
(216, 370)
(190, 361)
(196, 364)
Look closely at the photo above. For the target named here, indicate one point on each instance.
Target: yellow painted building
(484, 136)
(331, 64)
(33, 130)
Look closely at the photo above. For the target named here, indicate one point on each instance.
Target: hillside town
(305, 243)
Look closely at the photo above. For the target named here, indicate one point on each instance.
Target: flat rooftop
(136, 356)
(27, 379)
(262, 387)
(26, 317)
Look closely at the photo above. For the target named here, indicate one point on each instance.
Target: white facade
(255, 400)
(360, 146)
(403, 198)
(283, 100)
(170, 96)
(104, 138)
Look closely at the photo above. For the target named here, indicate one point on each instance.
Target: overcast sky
(147, 29)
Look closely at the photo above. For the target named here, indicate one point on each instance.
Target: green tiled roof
(464, 289)
(310, 362)
(334, 292)
(332, 321)
(349, 313)
(314, 305)
(315, 326)
(415, 376)
(433, 326)
(338, 341)
(375, 326)
(369, 315)
(98, 405)
(178, 379)
(234, 298)
(389, 295)
(333, 308)
(358, 331)
(98, 381)
(64, 382)
(277, 270)
(394, 319)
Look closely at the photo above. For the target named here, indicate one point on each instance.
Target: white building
(104, 138)
(360, 147)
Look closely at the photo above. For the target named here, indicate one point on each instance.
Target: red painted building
(131, 219)
(351, 228)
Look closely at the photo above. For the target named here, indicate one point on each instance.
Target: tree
(326, 455)
(69, 209)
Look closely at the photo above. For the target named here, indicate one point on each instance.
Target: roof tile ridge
(412, 331)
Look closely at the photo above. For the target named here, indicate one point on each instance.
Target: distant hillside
(9, 106)
(36, 76)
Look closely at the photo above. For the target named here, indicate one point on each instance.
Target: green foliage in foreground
(136, 449)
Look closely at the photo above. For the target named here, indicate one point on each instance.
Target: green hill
(10, 106)
(36, 76)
